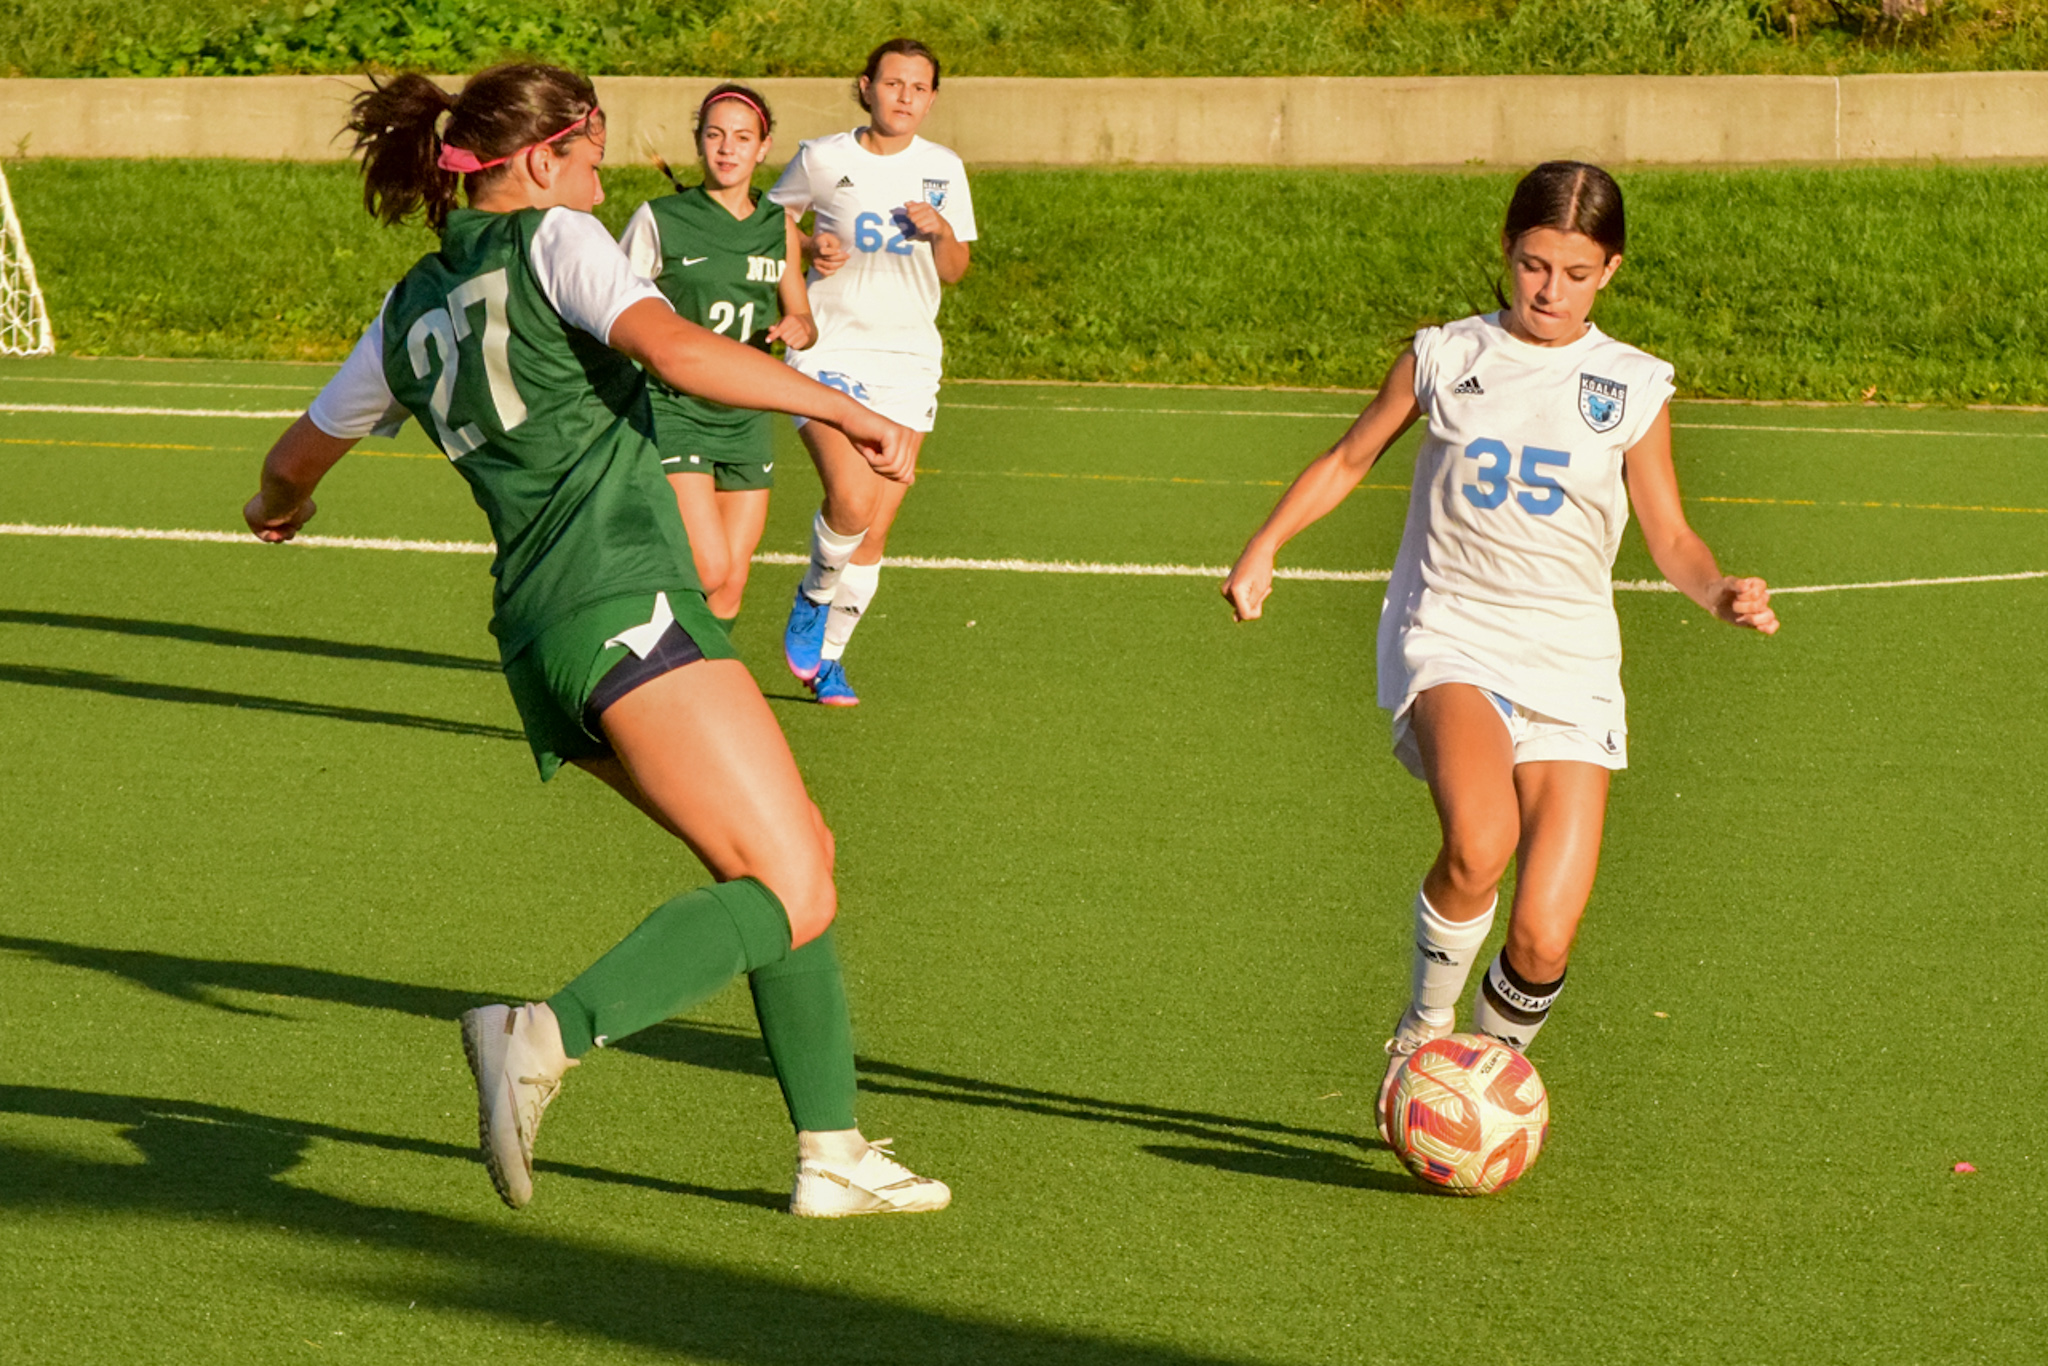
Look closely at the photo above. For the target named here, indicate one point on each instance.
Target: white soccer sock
(839, 1147)
(829, 553)
(1444, 953)
(1510, 1007)
(856, 590)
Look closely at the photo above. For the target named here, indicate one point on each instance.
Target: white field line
(1008, 566)
(1854, 431)
(138, 533)
(154, 383)
(279, 414)
(1912, 583)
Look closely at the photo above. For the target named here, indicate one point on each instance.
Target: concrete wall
(1301, 121)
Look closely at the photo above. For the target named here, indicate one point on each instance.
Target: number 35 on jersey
(1489, 488)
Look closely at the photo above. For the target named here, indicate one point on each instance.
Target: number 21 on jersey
(1490, 489)
(723, 314)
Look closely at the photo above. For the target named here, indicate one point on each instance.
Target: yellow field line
(107, 445)
(1403, 488)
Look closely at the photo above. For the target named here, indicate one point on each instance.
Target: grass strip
(1025, 37)
(1906, 285)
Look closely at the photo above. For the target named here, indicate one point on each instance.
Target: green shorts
(737, 455)
(555, 676)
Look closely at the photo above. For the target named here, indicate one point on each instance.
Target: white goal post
(24, 321)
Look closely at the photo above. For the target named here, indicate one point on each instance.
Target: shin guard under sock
(830, 550)
(676, 957)
(801, 1004)
(1445, 951)
(850, 601)
(1510, 1007)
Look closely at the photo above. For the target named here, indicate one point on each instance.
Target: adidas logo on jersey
(845, 183)
(1469, 385)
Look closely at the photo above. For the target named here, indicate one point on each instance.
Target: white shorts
(1535, 737)
(903, 393)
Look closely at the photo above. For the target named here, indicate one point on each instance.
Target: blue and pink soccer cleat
(831, 686)
(804, 637)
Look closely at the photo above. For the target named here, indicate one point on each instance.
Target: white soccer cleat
(516, 1055)
(1410, 1034)
(876, 1184)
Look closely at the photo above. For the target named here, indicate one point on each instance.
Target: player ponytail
(906, 47)
(499, 112)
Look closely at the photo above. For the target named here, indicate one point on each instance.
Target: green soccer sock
(801, 1004)
(728, 622)
(685, 951)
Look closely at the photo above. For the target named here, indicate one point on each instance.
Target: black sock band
(1515, 996)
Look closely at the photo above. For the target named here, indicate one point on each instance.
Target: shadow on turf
(1251, 1147)
(234, 1168)
(1301, 1164)
(116, 686)
(245, 640)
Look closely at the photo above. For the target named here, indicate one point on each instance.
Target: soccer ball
(1467, 1114)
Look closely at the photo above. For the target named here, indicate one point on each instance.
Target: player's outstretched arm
(1681, 556)
(698, 361)
(1317, 490)
(291, 471)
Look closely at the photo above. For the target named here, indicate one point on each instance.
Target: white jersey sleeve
(587, 279)
(793, 189)
(358, 402)
(641, 241)
(1653, 393)
(1425, 348)
(958, 208)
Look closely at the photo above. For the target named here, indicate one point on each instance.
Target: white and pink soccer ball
(1467, 1114)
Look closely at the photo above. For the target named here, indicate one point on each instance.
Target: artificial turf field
(1125, 894)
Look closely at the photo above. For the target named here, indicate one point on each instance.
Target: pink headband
(464, 162)
(705, 108)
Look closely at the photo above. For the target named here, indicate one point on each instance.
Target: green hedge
(1019, 37)
(1913, 285)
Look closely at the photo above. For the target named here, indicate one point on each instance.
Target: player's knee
(714, 567)
(1540, 952)
(848, 510)
(1476, 862)
(812, 902)
(733, 586)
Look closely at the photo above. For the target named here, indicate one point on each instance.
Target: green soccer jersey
(717, 270)
(550, 426)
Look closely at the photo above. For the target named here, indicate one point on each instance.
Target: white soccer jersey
(886, 297)
(1515, 514)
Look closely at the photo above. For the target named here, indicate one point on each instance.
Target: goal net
(24, 321)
